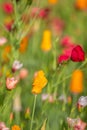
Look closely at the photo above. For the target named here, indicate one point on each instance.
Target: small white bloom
(82, 101)
(16, 65)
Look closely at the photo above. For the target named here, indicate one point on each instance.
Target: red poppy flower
(77, 54)
(63, 58)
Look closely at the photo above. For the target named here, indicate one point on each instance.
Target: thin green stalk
(72, 112)
(17, 116)
(68, 76)
(55, 53)
(32, 118)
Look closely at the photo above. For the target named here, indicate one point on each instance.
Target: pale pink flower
(3, 126)
(51, 98)
(11, 83)
(23, 73)
(3, 40)
(80, 125)
(44, 96)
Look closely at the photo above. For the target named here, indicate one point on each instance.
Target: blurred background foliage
(75, 24)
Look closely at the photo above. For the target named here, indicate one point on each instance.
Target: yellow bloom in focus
(52, 1)
(39, 82)
(16, 127)
(6, 53)
(46, 41)
(76, 85)
(23, 45)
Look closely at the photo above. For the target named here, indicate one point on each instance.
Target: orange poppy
(6, 53)
(16, 127)
(23, 45)
(81, 4)
(76, 84)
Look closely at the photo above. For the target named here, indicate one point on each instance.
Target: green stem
(31, 125)
(54, 53)
(68, 76)
(72, 112)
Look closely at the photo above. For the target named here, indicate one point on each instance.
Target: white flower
(16, 65)
(82, 101)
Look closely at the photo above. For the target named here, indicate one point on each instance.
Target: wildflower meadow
(43, 64)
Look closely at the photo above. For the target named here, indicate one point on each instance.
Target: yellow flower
(76, 85)
(46, 41)
(23, 45)
(52, 1)
(16, 127)
(39, 82)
